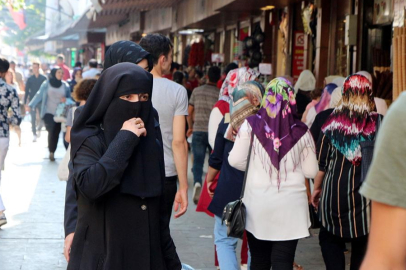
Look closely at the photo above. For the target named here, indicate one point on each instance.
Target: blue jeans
(200, 143)
(225, 246)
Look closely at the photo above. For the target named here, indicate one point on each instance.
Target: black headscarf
(104, 108)
(53, 81)
(126, 51)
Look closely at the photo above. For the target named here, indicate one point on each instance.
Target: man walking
(60, 62)
(9, 99)
(171, 101)
(92, 71)
(200, 105)
(31, 88)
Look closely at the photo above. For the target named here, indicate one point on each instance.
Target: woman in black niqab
(119, 178)
(107, 111)
(119, 52)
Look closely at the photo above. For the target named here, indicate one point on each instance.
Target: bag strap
(248, 164)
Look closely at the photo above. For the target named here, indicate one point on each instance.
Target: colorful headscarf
(242, 106)
(354, 120)
(365, 74)
(324, 101)
(276, 124)
(234, 78)
(381, 106)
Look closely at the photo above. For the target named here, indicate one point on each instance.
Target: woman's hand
(68, 245)
(316, 197)
(211, 193)
(136, 126)
(211, 174)
(63, 100)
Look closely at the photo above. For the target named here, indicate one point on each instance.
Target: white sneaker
(196, 192)
(34, 139)
(244, 267)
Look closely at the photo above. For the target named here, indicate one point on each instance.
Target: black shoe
(51, 156)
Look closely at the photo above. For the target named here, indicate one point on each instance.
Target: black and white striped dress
(344, 212)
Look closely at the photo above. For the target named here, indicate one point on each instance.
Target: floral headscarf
(234, 78)
(242, 106)
(354, 120)
(276, 124)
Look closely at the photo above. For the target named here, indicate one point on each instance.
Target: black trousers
(53, 129)
(332, 250)
(276, 254)
(170, 190)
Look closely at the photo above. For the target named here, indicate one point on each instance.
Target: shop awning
(242, 6)
(111, 7)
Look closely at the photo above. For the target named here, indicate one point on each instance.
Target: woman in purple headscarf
(283, 155)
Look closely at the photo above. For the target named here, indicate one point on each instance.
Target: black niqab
(53, 81)
(126, 51)
(104, 108)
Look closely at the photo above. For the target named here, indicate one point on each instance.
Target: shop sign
(265, 69)
(217, 57)
(298, 54)
(383, 11)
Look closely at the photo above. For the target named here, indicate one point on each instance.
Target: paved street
(34, 198)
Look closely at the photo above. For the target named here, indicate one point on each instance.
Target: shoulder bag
(234, 213)
(62, 110)
(367, 151)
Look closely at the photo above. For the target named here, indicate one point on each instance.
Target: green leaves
(15, 4)
(34, 15)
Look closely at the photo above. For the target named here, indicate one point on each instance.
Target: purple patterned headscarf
(324, 102)
(276, 124)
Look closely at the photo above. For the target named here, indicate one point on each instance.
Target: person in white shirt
(283, 155)
(93, 71)
(171, 101)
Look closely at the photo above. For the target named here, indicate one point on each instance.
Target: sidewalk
(34, 198)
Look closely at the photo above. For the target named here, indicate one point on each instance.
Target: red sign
(298, 54)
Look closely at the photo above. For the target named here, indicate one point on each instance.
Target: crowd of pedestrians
(288, 147)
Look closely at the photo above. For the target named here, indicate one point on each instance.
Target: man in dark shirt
(31, 88)
(200, 105)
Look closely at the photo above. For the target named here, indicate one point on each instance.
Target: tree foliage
(34, 12)
(16, 4)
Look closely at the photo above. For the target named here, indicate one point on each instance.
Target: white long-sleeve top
(215, 118)
(275, 214)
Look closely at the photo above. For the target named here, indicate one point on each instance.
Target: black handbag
(234, 213)
(367, 152)
(314, 218)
